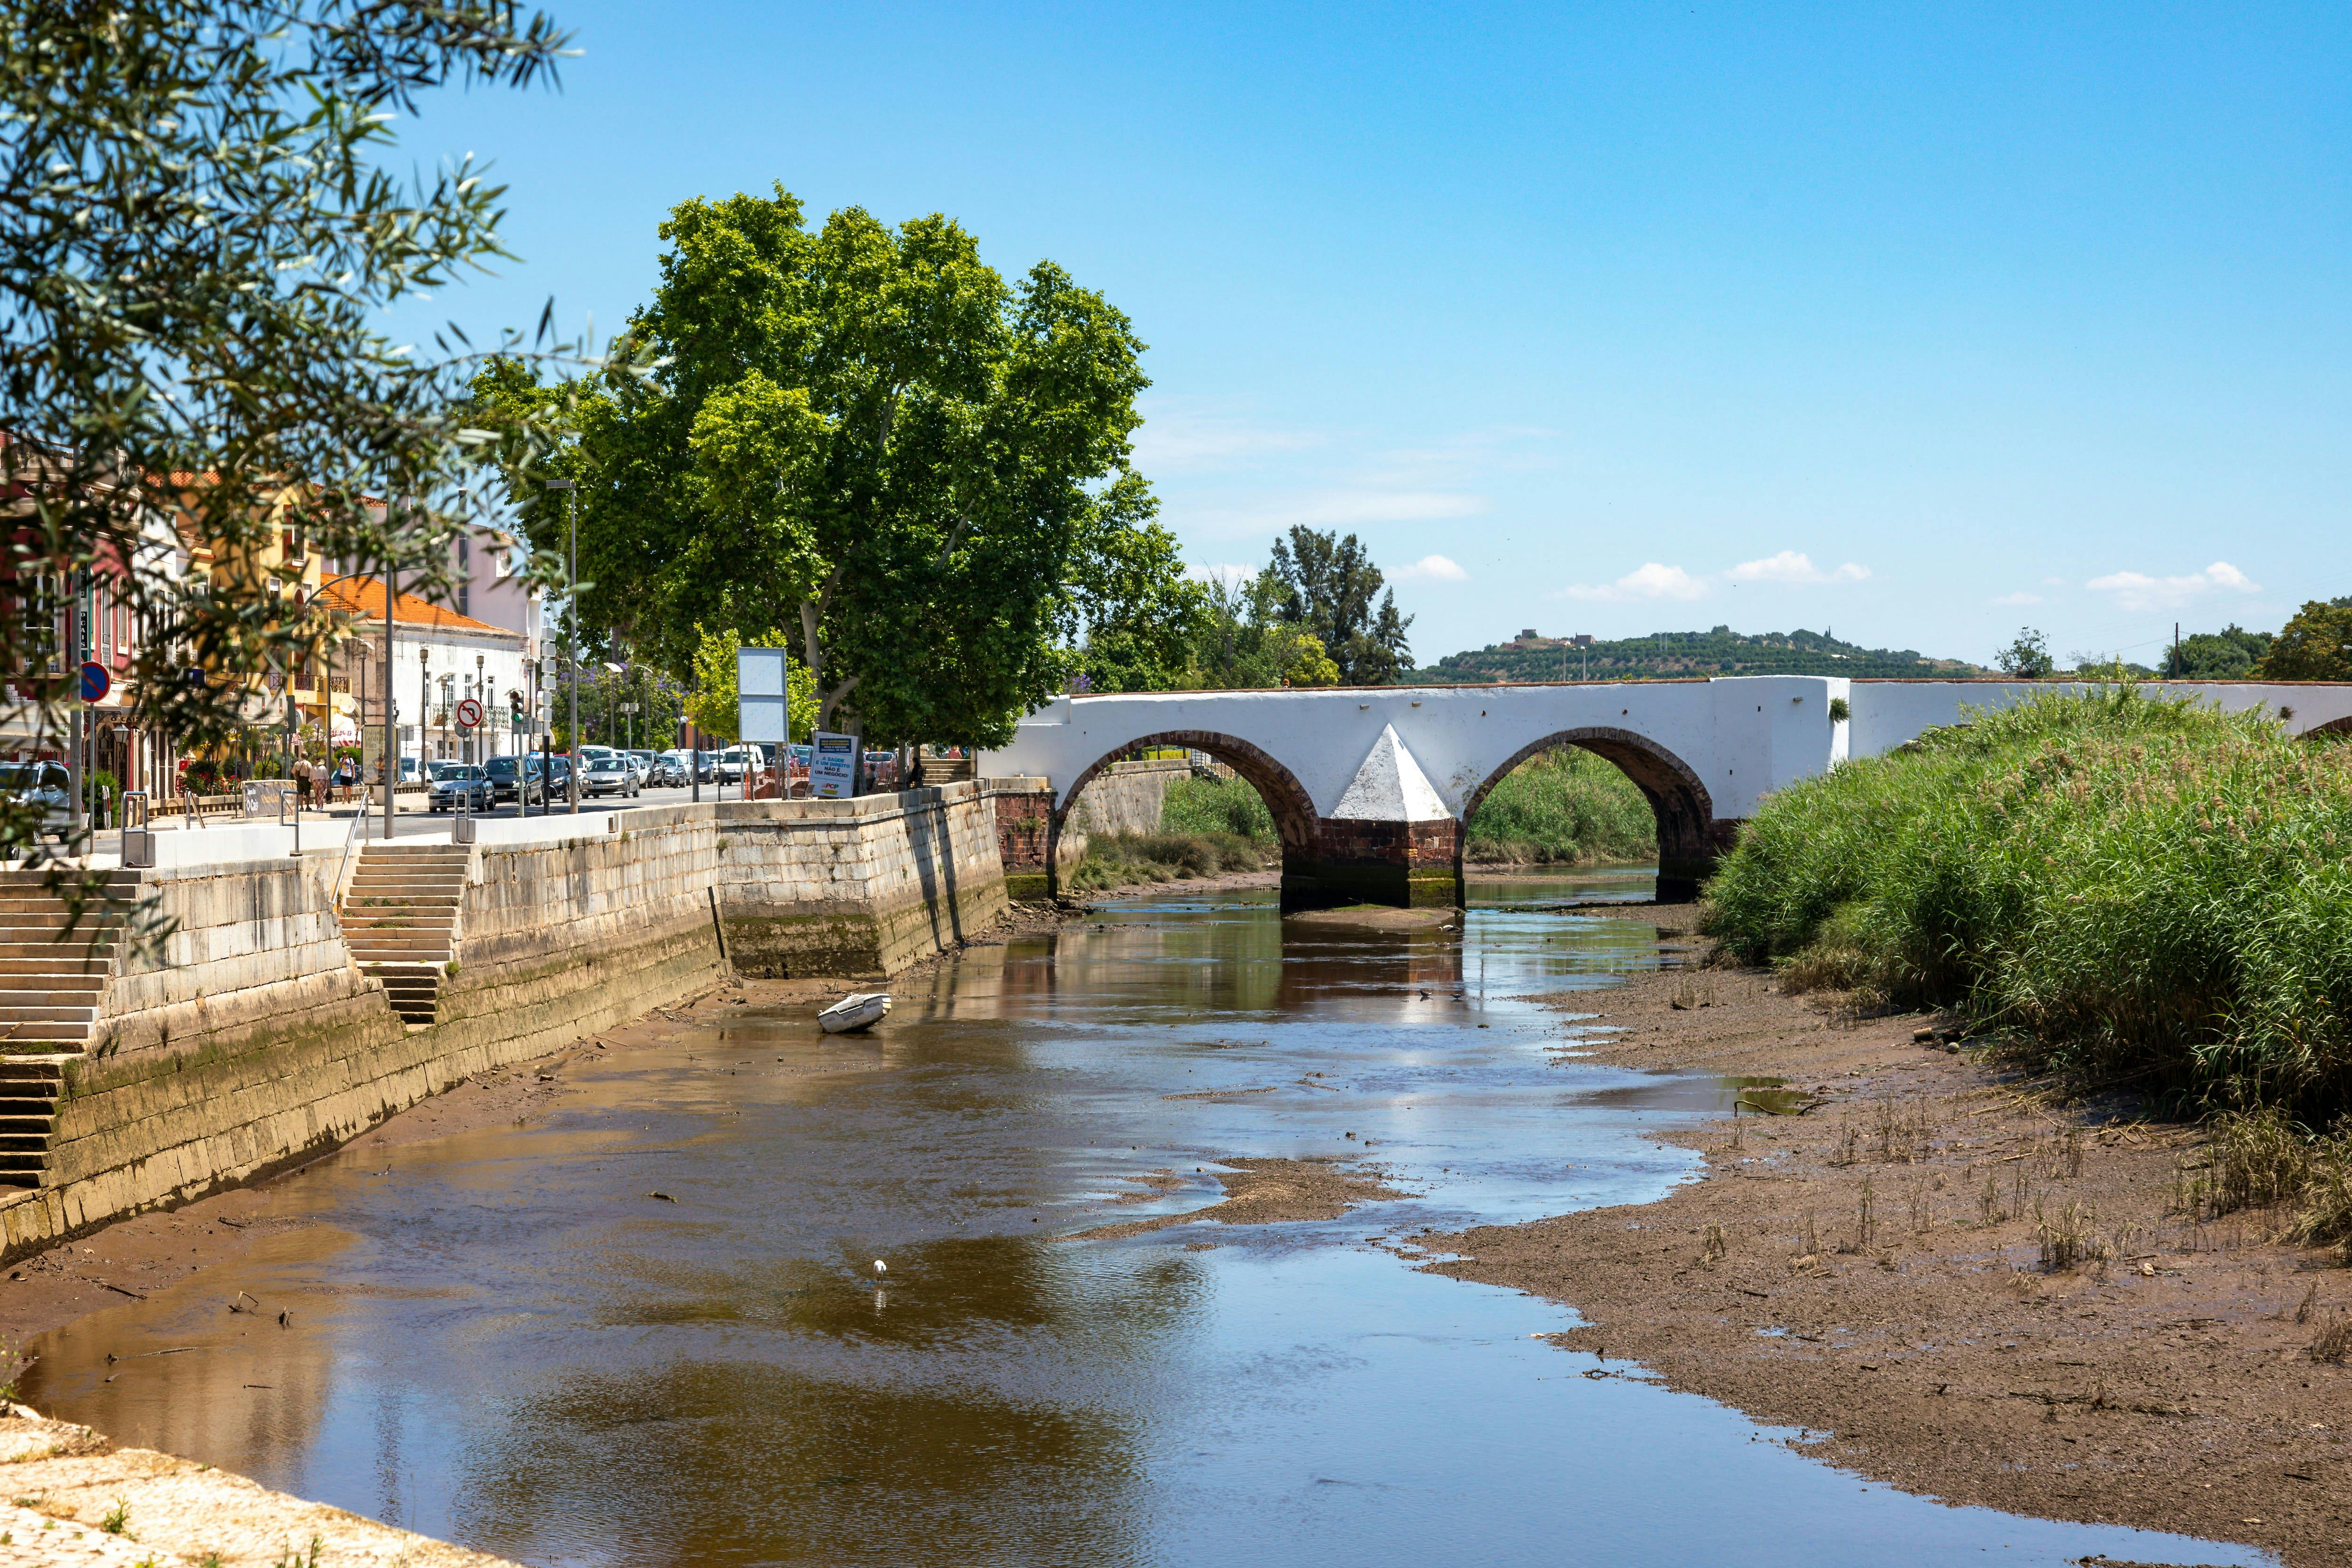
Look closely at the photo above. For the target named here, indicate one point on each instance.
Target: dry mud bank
(1887, 1270)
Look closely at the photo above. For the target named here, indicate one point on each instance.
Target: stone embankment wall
(253, 1043)
(1127, 796)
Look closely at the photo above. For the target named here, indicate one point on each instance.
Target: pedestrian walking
(301, 783)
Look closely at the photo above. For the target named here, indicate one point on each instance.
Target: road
(410, 820)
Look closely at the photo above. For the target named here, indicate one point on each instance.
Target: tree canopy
(2317, 646)
(196, 253)
(2224, 655)
(864, 435)
(1327, 587)
(2027, 658)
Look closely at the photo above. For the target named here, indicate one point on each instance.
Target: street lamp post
(571, 631)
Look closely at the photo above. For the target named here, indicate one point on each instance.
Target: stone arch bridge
(1369, 787)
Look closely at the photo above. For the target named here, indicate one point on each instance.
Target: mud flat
(1951, 1278)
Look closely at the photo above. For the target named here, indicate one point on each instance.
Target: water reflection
(504, 1339)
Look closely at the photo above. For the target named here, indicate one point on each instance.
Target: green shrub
(1564, 807)
(1207, 805)
(2125, 884)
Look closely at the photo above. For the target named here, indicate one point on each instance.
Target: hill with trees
(1670, 656)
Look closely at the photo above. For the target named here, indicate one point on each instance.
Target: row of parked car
(604, 770)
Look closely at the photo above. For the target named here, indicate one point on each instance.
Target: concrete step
(30, 1012)
(42, 948)
(68, 977)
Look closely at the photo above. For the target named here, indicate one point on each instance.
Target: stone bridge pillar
(1391, 840)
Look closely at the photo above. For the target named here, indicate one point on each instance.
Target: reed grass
(1125, 860)
(1216, 806)
(2123, 886)
(1563, 807)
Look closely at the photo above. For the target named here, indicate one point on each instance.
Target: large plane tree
(862, 437)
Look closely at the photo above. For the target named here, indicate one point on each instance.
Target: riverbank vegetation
(1565, 807)
(1208, 826)
(1126, 859)
(1212, 805)
(2124, 888)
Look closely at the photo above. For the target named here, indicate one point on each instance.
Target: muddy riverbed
(632, 1313)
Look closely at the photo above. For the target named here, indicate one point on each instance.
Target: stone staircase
(49, 994)
(400, 917)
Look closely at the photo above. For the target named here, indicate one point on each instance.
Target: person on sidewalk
(301, 783)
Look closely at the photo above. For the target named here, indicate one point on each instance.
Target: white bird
(880, 1266)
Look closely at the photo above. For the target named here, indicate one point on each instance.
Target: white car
(738, 761)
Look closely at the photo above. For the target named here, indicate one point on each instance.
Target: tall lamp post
(571, 489)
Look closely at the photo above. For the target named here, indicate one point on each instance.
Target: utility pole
(2175, 661)
(390, 728)
(571, 489)
(76, 629)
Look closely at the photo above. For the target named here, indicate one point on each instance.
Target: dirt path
(1889, 1271)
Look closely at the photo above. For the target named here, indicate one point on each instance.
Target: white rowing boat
(855, 1012)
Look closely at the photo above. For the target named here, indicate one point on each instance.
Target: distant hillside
(1679, 654)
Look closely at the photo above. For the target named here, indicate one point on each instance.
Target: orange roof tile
(363, 596)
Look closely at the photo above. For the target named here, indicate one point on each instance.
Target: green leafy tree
(2228, 654)
(198, 246)
(1329, 586)
(2317, 646)
(715, 705)
(864, 435)
(2027, 658)
(1144, 616)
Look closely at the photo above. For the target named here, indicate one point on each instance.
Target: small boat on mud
(857, 1010)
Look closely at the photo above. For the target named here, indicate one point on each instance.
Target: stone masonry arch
(1285, 799)
(1689, 836)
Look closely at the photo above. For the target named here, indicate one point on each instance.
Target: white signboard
(832, 771)
(760, 702)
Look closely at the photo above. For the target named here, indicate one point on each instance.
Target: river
(503, 1339)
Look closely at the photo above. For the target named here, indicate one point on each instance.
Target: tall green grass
(2129, 886)
(1207, 805)
(1564, 807)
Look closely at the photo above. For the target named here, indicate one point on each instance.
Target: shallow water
(500, 1338)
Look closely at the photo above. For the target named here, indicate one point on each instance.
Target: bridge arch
(1286, 798)
(1689, 836)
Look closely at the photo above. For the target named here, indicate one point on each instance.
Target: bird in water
(880, 1266)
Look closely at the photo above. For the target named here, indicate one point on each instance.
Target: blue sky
(1917, 322)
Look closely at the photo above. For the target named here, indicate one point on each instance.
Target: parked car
(643, 763)
(459, 781)
(735, 761)
(610, 774)
(672, 769)
(47, 784)
(518, 778)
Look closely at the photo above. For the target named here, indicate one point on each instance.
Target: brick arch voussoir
(1292, 808)
(2333, 727)
(1685, 810)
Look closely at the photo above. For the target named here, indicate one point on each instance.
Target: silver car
(47, 784)
(609, 774)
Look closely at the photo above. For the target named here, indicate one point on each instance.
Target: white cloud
(1180, 437)
(2137, 591)
(2021, 597)
(1794, 567)
(1653, 580)
(1436, 568)
(1378, 507)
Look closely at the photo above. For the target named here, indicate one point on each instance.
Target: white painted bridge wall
(1742, 737)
